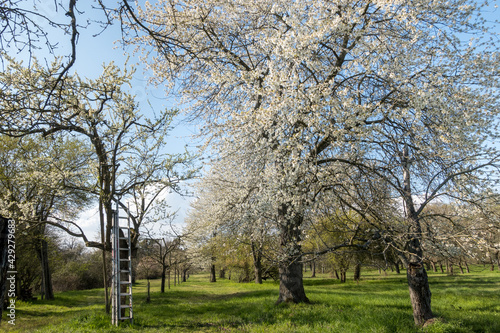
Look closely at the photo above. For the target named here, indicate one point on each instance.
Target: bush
(82, 273)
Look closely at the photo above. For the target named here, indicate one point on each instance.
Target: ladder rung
(122, 233)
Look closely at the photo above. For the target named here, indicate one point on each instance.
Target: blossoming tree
(308, 88)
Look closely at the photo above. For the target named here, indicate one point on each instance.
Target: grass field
(379, 303)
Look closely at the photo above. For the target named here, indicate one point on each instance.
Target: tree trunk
(357, 271)
(257, 263)
(163, 278)
(290, 267)
(212, 273)
(148, 299)
(43, 256)
(169, 272)
(434, 268)
(418, 282)
(343, 276)
(498, 260)
(222, 273)
(291, 286)
(134, 262)
(104, 261)
(313, 264)
(175, 275)
(106, 282)
(396, 265)
(420, 293)
(184, 274)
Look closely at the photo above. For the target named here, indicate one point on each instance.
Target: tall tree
(101, 112)
(310, 85)
(37, 182)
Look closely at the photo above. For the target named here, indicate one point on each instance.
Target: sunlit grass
(378, 303)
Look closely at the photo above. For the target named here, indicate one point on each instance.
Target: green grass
(379, 303)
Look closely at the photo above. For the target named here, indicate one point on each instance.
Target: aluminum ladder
(121, 290)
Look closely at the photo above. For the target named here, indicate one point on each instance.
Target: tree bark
(185, 274)
(434, 268)
(357, 271)
(418, 282)
(163, 277)
(43, 256)
(498, 260)
(175, 275)
(257, 263)
(420, 293)
(212, 273)
(104, 260)
(461, 267)
(169, 272)
(343, 276)
(290, 267)
(396, 265)
(134, 262)
(291, 286)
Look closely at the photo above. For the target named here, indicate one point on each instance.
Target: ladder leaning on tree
(121, 290)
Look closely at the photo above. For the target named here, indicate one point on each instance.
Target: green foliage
(86, 273)
(378, 303)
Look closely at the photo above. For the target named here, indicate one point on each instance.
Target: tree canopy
(317, 98)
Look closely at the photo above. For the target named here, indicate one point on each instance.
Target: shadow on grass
(370, 306)
(239, 309)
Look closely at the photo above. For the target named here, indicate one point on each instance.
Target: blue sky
(92, 52)
(97, 47)
(95, 50)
